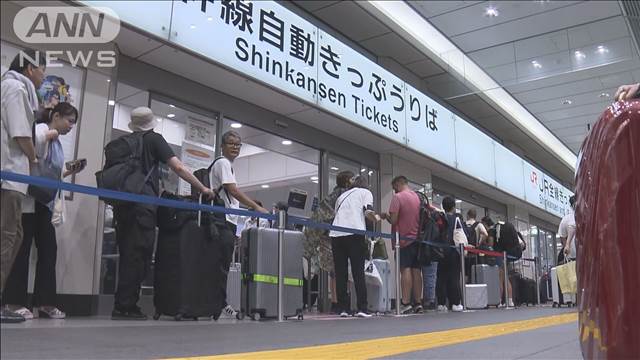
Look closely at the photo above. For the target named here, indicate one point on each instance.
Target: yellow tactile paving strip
(367, 349)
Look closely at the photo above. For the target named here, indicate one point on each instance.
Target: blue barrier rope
(186, 205)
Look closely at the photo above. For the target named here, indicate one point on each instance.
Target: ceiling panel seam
(444, 13)
(598, 77)
(532, 36)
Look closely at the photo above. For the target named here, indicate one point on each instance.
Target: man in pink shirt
(404, 215)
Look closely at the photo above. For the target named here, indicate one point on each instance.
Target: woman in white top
(351, 208)
(36, 221)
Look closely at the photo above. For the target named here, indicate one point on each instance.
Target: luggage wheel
(178, 317)
(156, 316)
(300, 317)
(255, 316)
(240, 315)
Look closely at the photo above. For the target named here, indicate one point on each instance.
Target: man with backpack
(132, 164)
(404, 216)
(505, 239)
(223, 180)
(477, 236)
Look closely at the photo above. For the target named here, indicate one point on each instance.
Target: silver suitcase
(476, 296)
(378, 297)
(234, 283)
(260, 268)
(487, 274)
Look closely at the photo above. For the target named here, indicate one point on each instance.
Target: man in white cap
(135, 224)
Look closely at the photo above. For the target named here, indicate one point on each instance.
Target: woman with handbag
(37, 211)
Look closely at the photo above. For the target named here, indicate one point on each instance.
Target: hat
(142, 119)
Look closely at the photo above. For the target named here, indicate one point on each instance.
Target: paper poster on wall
(193, 157)
(297, 199)
(200, 132)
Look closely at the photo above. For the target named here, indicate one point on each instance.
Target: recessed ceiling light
(491, 12)
(171, 116)
(602, 49)
(265, 186)
(192, 26)
(286, 142)
(370, 172)
(314, 181)
(567, 102)
(236, 125)
(458, 201)
(604, 95)
(210, 18)
(334, 168)
(363, 170)
(171, 106)
(111, 103)
(314, 178)
(536, 64)
(579, 54)
(108, 80)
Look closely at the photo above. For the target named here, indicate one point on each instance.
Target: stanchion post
(398, 285)
(537, 277)
(506, 279)
(463, 281)
(282, 222)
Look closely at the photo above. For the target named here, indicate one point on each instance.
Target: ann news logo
(70, 25)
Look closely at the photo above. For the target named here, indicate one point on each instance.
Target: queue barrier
(282, 219)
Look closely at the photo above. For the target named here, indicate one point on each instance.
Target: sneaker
(363, 314)
(510, 303)
(442, 308)
(229, 311)
(457, 308)
(133, 314)
(344, 314)
(418, 309)
(51, 313)
(24, 312)
(405, 309)
(10, 317)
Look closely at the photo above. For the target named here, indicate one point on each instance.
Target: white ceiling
(573, 82)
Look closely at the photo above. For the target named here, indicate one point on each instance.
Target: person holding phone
(36, 222)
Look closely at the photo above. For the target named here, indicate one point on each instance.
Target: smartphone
(76, 164)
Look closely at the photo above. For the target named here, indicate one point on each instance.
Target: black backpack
(203, 176)
(471, 233)
(508, 240)
(429, 229)
(123, 168)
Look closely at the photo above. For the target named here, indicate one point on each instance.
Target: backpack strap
(221, 187)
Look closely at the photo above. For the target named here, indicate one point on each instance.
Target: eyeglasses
(235, 145)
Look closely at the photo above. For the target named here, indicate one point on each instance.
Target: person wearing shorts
(404, 215)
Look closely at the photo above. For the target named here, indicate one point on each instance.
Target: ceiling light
(604, 95)
(210, 18)
(491, 12)
(286, 142)
(334, 168)
(536, 64)
(602, 49)
(314, 181)
(580, 55)
(111, 103)
(171, 116)
(567, 102)
(236, 125)
(370, 172)
(458, 201)
(314, 178)
(108, 80)
(192, 26)
(265, 186)
(363, 170)
(171, 106)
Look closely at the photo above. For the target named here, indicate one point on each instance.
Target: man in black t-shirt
(136, 224)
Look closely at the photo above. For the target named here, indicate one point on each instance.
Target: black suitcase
(527, 293)
(186, 268)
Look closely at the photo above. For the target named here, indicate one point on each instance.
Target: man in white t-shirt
(567, 231)
(19, 102)
(222, 177)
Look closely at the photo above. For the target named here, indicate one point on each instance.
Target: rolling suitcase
(186, 264)
(234, 284)
(486, 274)
(559, 298)
(476, 296)
(378, 296)
(260, 268)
